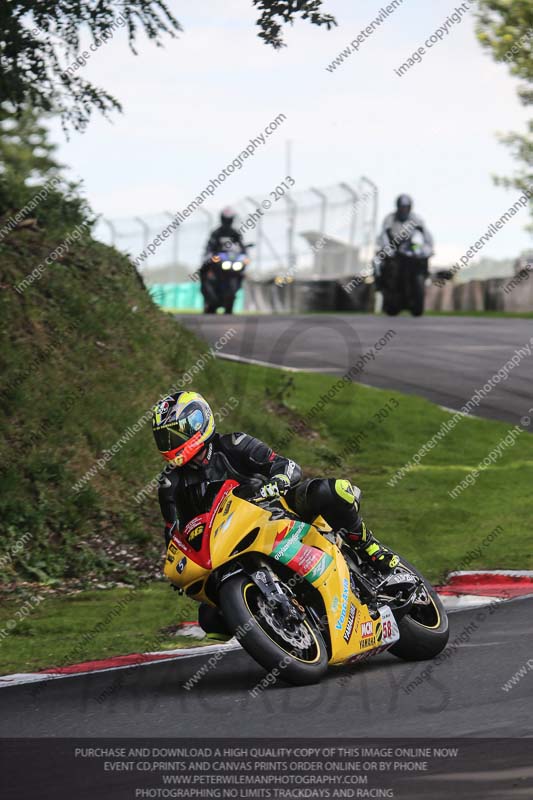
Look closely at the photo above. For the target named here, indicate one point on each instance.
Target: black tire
(422, 639)
(419, 295)
(390, 307)
(238, 597)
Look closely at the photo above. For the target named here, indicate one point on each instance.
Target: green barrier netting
(185, 297)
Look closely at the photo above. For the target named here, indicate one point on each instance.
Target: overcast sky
(192, 105)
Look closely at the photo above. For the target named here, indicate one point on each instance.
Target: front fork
(268, 583)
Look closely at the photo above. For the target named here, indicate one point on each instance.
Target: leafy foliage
(40, 43)
(276, 13)
(506, 29)
(31, 178)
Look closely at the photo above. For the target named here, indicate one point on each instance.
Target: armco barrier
(519, 297)
(304, 295)
(495, 294)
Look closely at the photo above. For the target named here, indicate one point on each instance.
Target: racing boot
(369, 549)
(213, 625)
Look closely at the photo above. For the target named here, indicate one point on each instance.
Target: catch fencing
(321, 232)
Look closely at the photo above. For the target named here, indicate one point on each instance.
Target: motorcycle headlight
(226, 265)
(237, 265)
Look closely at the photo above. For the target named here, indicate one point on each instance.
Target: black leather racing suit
(219, 239)
(222, 239)
(394, 232)
(237, 456)
(244, 458)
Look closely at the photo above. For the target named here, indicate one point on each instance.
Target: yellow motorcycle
(295, 596)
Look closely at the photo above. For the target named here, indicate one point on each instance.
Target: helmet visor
(175, 434)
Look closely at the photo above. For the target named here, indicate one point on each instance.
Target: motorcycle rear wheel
(297, 655)
(424, 631)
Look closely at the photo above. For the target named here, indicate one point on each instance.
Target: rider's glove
(277, 487)
(269, 490)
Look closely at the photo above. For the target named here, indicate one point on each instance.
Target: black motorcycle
(402, 277)
(221, 278)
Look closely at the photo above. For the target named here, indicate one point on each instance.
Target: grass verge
(364, 434)
(92, 625)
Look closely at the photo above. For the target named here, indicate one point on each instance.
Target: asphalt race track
(445, 359)
(463, 696)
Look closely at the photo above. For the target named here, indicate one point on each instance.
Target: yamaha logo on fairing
(349, 627)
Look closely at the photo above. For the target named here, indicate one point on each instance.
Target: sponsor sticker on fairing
(344, 605)
(196, 532)
(389, 628)
(349, 627)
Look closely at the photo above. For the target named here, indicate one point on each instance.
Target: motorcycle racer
(224, 236)
(398, 227)
(222, 239)
(183, 425)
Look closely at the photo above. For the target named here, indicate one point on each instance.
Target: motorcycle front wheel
(391, 304)
(418, 295)
(295, 653)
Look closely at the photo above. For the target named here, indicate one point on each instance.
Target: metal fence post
(322, 224)
(175, 240)
(112, 228)
(259, 248)
(353, 225)
(374, 223)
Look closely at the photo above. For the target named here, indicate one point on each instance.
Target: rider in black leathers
(398, 227)
(184, 430)
(220, 240)
(225, 235)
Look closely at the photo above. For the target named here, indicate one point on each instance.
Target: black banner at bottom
(153, 769)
